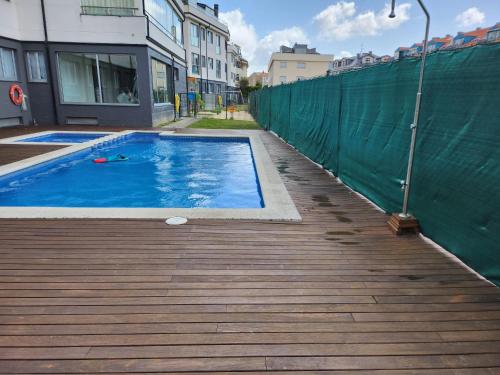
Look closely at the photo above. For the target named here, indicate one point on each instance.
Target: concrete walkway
(241, 115)
(182, 123)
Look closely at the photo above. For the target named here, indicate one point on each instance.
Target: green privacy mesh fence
(357, 126)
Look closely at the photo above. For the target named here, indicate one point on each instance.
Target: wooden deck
(337, 293)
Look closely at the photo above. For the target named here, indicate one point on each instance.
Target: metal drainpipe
(173, 83)
(49, 63)
(206, 53)
(414, 126)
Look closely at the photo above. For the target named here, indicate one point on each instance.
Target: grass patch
(212, 123)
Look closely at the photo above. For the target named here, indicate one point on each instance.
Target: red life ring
(16, 94)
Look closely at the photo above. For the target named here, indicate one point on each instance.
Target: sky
(344, 28)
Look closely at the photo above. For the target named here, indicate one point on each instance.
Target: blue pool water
(64, 138)
(182, 172)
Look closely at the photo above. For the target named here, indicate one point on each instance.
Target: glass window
(218, 69)
(160, 75)
(203, 61)
(211, 63)
(301, 65)
(195, 35)
(218, 45)
(282, 79)
(210, 36)
(195, 62)
(210, 88)
(203, 34)
(36, 67)
(163, 15)
(7, 65)
(283, 64)
(98, 78)
(176, 74)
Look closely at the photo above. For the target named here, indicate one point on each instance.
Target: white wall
(66, 24)
(21, 20)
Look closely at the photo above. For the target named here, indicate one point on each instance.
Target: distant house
(359, 61)
(401, 53)
(438, 43)
(384, 59)
(470, 38)
(416, 49)
(493, 34)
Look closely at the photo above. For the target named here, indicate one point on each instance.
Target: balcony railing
(92, 10)
(125, 8)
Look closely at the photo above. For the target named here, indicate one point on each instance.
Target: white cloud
(342, 21)
(470, 17)
(258, 50)
(242, 33)
(345, 54)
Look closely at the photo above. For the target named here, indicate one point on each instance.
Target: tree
(244, 86)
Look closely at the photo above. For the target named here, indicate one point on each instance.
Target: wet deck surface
(336, 293)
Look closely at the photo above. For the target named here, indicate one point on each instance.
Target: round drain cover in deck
(176, 220)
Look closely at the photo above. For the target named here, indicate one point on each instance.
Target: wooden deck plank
(336, 293)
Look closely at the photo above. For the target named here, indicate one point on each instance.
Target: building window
(176, 74)
(301, 65)
(210, 88)
(163, 15)
(282, 79)
(195, 35)
(7, 65)
(203, 61)
(36, 67)
(159, 72)
(218, 69)
(195, 62)
(283, 64)
(89, 78)
(218, 45)
(218, 88)
(210, 36)
(108, 8)
(300, 78)
(203, 34)
(211, 63)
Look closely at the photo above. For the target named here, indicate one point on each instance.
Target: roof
(447, 39)
(479, 33)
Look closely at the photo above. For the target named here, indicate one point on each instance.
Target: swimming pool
(195, 174)
(161, 171)
(62, 137)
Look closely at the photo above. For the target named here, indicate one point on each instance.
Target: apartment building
(295, 63)
(237, 67)
(206, 39)
(113, 62)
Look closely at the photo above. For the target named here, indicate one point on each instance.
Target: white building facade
(206, 39)
(237, 66)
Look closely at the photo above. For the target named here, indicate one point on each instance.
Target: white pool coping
(18, 140)
(279, 205)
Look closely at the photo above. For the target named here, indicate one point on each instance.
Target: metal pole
(407, 183)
